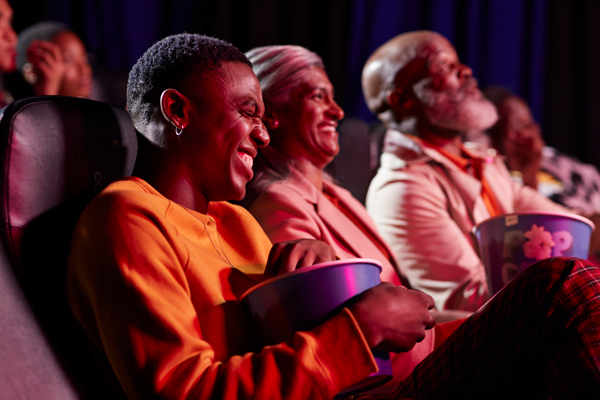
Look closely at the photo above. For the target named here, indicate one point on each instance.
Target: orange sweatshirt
(156, 287)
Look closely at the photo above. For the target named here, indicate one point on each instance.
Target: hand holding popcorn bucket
(510, 243)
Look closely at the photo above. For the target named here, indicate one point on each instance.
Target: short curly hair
(170, 63)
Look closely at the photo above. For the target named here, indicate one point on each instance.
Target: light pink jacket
(295, 209)
(425, 208)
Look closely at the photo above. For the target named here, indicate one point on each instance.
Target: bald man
(430, 190)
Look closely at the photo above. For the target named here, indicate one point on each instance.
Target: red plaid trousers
(538, 337)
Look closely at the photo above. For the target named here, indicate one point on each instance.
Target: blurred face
(8, 39)
(449, 96)
(77, 79)
(308, 125)
(224, 132)
(518, 130)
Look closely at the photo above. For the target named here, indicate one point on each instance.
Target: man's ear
(399, 99)
(173, 107)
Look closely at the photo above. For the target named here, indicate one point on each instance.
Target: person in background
(555, 175)
(52, 60)
(430, 190)
(8, 43)
(159, 260)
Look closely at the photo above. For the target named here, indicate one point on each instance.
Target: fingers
(285, 257)
(274, 260)
(291, 255)
(427, 302)
(44, 54)
(393, 318)
(425, 298)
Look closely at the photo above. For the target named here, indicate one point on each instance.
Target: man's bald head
(416, 82)
(393, 64)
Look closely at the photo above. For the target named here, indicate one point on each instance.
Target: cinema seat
(56, 154)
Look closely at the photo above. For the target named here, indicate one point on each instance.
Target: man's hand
(393, 318)
(291, 255)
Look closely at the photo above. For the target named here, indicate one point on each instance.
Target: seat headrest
(58, 152)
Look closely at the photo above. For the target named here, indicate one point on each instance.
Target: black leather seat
(56, 154)
(358, 159)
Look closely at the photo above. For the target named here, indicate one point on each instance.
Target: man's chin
(477, 117)
(484, 116)
(485, 120)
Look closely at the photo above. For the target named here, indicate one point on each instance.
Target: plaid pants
(538, 337)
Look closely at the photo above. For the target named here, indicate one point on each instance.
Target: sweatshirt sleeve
(128, 286)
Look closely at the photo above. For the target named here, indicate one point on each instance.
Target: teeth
(247, 158)
(329, 128)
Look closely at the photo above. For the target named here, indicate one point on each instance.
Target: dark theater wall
(544, 50)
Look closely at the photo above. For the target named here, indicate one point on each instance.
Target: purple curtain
(545, 51)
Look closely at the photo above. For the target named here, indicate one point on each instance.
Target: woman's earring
(29, 74)
(270, 123)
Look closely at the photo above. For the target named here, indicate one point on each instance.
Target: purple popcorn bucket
(510, 243)
(303, 299)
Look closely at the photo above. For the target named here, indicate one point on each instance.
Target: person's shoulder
(225, 210)
(404, 148)
(128, 184)
(124, 195)
(393, 167)
(289, 190)
(128, 187)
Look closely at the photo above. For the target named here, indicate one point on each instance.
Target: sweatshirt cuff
(345, 353)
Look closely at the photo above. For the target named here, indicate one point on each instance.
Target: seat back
(358, 159)
(56, 154)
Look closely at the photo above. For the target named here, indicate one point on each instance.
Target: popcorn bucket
(305, 298)
(510, 243)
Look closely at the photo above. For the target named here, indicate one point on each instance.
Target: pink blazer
(295, 209)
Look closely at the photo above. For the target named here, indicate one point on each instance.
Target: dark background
(547, 51)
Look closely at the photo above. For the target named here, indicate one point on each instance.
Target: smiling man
(430, 190)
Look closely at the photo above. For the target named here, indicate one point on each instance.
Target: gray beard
(460, 110)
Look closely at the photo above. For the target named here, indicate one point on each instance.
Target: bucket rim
(329, 264)
(537, 213)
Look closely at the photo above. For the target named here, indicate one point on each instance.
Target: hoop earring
(178, 131)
